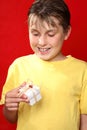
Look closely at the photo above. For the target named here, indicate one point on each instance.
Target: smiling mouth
(43, 50)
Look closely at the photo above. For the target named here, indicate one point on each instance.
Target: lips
(43, 50)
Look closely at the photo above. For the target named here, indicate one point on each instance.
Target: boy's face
(47, 41)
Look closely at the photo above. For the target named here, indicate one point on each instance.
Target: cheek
(57, 42)
(59, 39)
(33, 41)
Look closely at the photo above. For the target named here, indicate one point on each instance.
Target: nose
(42, 41)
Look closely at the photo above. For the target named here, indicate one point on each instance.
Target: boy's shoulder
(24, 58)
(79, 62)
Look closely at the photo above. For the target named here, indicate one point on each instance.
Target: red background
(14, 40)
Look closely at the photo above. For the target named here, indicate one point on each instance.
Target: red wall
(14, 37)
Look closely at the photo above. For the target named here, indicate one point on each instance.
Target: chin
(45, 58)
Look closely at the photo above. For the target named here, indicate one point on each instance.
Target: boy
(62, 79)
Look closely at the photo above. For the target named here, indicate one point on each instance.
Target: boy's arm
(83, 122)
(11, 116)
(11, 106)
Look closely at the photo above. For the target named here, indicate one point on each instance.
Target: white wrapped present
(32, 92)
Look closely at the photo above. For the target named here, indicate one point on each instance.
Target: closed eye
(34, 32)
(51, 33)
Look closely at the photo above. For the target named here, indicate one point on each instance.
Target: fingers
(12, 100)
(15, 91)
(22, 85)
(12, 106)
(12, 103)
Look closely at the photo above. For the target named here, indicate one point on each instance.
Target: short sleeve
(9, 83)
(83, 100)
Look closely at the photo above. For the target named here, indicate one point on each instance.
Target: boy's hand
(12, 100)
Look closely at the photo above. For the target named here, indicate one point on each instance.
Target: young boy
(62, 79)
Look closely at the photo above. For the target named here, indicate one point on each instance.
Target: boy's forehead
(45, 23)
(38, 24)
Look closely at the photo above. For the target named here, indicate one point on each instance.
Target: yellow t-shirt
(63, 86)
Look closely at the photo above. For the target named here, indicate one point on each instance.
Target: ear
(68, 32)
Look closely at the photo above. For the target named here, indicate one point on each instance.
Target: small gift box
(32, 92)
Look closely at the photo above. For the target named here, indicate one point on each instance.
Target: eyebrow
(34, 30)
(49, 30)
